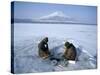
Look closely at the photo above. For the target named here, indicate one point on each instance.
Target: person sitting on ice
(43, 49)
(70, 51)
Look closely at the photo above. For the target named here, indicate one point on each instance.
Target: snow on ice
(27, 37)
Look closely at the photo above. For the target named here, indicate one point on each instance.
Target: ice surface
(27, 36)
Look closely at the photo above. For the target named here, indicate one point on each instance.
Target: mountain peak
(56, 13)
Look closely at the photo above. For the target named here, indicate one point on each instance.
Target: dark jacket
(43, 48)
(43, 45)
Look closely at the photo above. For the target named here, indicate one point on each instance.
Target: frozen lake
(85, 35)
(26, 37)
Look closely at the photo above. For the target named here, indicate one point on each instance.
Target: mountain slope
(56, 16)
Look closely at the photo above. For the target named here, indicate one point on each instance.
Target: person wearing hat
(70, 51)
(43, 49)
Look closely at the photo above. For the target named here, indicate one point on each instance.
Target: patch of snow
(56, 13)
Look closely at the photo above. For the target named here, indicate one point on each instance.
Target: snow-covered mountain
(57, 16)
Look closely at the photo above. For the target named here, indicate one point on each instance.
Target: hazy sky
(32, 10)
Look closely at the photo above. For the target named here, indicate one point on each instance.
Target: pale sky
(31, 10)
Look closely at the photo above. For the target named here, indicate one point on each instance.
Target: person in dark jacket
(70, 51)
(43, 48)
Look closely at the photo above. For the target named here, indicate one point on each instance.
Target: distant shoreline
(15, 20)
(53, 23)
